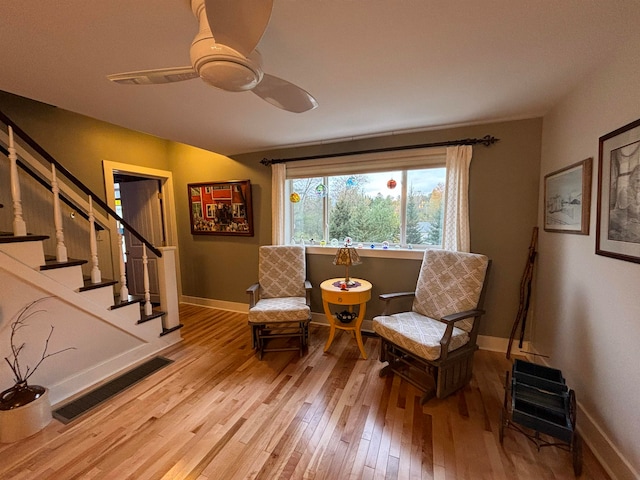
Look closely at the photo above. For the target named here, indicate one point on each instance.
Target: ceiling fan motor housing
(220, 65)
(223, 67)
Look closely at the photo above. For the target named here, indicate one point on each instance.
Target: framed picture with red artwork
(221, 208)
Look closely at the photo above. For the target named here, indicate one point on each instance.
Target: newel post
(168, 284)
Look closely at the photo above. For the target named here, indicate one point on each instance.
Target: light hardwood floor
(218, 412)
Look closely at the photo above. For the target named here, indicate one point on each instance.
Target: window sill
(400, 253)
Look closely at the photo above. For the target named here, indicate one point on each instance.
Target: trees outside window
(400, 207)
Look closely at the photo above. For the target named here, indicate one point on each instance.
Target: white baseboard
(219, 304)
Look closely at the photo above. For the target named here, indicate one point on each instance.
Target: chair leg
(259, 342)
(262, 334)
(429, 390)
(255, 329)
(385, 371)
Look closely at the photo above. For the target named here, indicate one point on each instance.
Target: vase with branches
(22, 393)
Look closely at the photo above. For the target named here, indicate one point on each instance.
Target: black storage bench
(537, 401)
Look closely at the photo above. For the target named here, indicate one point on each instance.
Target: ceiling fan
(229, 61)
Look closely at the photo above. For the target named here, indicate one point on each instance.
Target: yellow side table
(356, 295)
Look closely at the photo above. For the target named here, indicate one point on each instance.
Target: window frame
(396, 160)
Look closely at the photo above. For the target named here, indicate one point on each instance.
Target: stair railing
(61, 169)
(19, 225)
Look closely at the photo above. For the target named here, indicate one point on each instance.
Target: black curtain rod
(487, 141)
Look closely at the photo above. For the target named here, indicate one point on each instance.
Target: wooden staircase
(69, 273)
(22, 259)
(109, 329)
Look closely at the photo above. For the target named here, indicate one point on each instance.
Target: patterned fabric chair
(432, 345)
(279, 302)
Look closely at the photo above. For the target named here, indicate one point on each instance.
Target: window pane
(307, 217)
(368, 207)
(365, 208)
(424, 206)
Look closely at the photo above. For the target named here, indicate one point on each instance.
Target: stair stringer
(104, 344)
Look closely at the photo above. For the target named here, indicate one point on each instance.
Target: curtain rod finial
(489, 140)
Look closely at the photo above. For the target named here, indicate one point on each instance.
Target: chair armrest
(455, 317)
(388, 297)
(252, 294)
(450, 320)
(308, 287)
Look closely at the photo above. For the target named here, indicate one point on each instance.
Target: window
(367, 200)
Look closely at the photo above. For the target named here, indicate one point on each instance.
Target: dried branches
(13, 360)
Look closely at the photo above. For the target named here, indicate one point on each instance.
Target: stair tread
(6, 237)
(131, 299)
(91, 286)
(166, 331)
(51, 263)
(156, 313)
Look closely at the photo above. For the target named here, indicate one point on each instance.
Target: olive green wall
(219, 267)
(503, 201)
(81, 143)
(503, 194)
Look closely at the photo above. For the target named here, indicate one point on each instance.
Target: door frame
(168, 204)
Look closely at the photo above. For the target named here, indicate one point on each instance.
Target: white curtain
(455, 229)
(278, 177)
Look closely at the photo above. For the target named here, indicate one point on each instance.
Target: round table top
(329, 285)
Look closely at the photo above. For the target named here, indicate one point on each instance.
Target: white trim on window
(395, 160)
(369, 163)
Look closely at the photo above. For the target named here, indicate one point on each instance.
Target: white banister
(19, 226)
(61, 249)
(96, 275)
(148, 308)
(124, 291)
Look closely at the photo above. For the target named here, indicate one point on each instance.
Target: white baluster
(19, 226)
(61, 249)
(148, 308)
(96, 276)
(124, 291)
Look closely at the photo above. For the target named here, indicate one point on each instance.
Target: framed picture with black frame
(221, 208)
(618, 215)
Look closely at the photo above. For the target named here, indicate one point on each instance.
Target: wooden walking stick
(525, 293)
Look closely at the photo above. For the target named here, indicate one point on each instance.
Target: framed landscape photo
(618, 221)
(221, 208)
(567, 199)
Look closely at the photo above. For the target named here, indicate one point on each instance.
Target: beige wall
(587, 310)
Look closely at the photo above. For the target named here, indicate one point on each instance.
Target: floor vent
(92, 399)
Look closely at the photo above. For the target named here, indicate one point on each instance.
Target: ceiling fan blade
(238, 24)
(284, 95)
(158, 76)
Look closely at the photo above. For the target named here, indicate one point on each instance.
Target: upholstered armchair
(279, 302)
(432, 345)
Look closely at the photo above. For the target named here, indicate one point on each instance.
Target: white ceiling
(375, 66)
